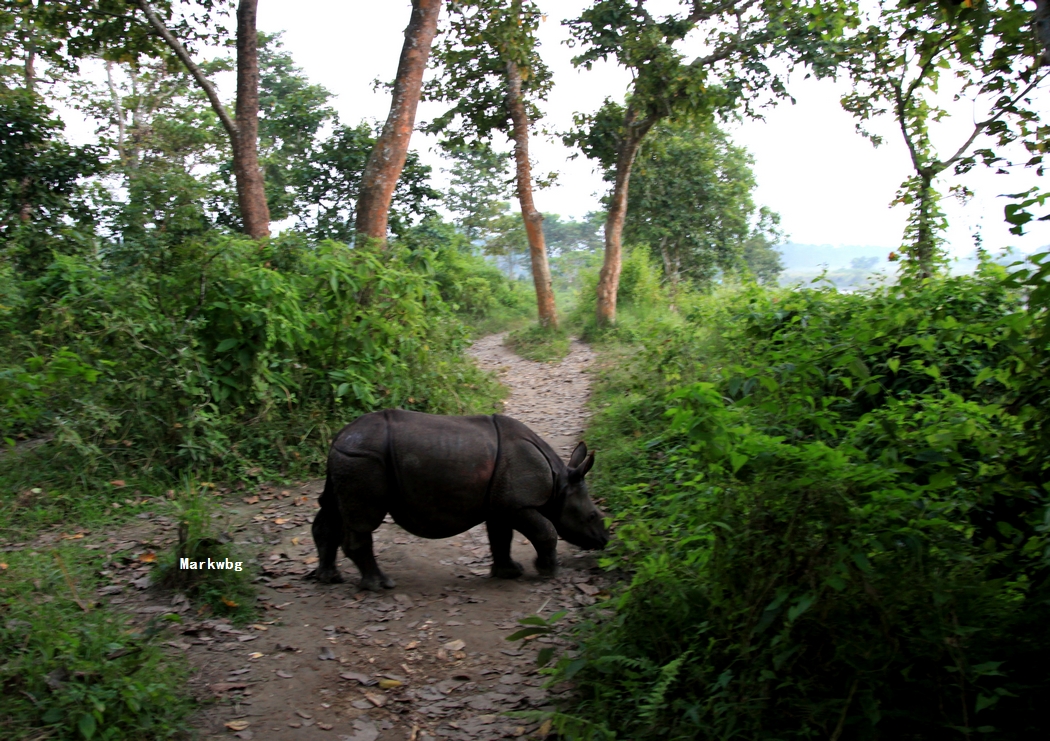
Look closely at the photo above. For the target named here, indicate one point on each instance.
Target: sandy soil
(426, 660)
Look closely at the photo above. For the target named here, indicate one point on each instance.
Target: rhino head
(576, 518)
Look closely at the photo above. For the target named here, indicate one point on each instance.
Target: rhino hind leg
(358, 547)
(500, 536)
(328, 534)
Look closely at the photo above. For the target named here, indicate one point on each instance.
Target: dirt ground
(428, 659)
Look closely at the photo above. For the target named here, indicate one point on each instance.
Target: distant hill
(815, 256)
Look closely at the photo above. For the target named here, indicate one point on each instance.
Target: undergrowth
(71, 670)
(834, 510)
(539, 343)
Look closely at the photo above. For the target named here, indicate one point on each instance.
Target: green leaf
(526, 632)
(736, 460)
(574, 667)
(986, 701)
(86, 725)
(862, 562)
(893, 364)
(533, 620)
(544, 656)
(227, 344)
(53, 715)
(804, 603)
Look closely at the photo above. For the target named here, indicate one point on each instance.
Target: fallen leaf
(411, 645)
(280, 521)
(237, 725)
(301, 714)
(295, 724)
(545, 728)
(389, 684)
(250, 500)
(148, 557)
(118, 483)
(220, 687)
(311, 560)
(377, 700)
(77, 536)
(244, 639)
(229, 602)
(259, 627)
(296, 541)
(325, 726)
(588, 589)
(326, 654)
(3, 566)
(256, 655)
(282, 673)
(456, 645)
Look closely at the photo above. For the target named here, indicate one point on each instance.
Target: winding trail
(424, 661)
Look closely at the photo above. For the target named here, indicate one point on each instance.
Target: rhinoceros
(439, 476)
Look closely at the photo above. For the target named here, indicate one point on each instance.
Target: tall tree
(897, 61)
(391, 150)
(739, 38)
(244, 130)
(496, 76)
(692, 200)
(478, 189)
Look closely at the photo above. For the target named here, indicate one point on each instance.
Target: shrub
(838, 529)
(542, 344)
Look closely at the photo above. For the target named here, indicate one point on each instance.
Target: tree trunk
(1042, 29)
(388, 156)
(251, 188)
(541, 272)
(609, 279)
(925, 247)
(251, 194)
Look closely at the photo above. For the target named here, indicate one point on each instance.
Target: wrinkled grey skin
(440, 476)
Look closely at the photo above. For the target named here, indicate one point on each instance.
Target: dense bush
(835, 514)
(233, 354)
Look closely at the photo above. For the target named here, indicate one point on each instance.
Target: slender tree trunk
(251, 188)
(388, 156)
(541, 272)
(1042, 29)
(25, 211)
(251, 194)
(924, 234)
(634, 130)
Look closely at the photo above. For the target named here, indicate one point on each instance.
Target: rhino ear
(578, 455)
(576, 473)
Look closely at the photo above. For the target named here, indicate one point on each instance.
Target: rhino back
(441, 470)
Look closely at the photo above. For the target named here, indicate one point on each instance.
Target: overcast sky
(829, 184)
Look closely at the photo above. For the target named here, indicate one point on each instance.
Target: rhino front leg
(500, 536)
(358, 547)
(544, 538)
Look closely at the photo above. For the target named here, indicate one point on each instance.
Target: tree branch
(180, 51)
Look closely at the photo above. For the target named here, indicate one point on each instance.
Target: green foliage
(898, 60)
(483, 37)
(73, 673)
(834, 509)
(225, 592)
(238, 356)
(539, 343)
(39, 204)
(691, 202)
(640, 294)
(479, 187)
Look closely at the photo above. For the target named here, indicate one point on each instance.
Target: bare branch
(204, 83)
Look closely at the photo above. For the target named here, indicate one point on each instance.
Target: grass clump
(834, 510)
(69, 670)
(223, 591)
(539, 343)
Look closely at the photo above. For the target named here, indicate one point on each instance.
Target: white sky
(827, 182)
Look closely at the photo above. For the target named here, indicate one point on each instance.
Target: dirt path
(423, 661)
